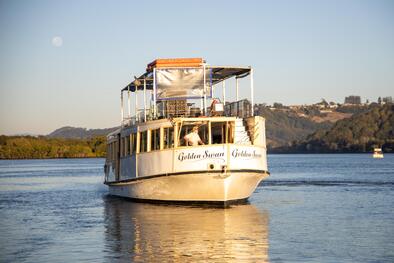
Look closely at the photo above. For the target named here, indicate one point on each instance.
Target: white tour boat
(179, 142)
(377, 153)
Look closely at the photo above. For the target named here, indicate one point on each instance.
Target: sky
(63, 63)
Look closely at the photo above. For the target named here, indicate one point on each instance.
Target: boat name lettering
(236, 153)
(199, 156)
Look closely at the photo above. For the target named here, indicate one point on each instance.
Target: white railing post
(154, 94)
(252, 90)
(128, 101)
(236, 89)
(205, 93)
(136, 103)
(224, 91)
(145, 99)
(121, 107)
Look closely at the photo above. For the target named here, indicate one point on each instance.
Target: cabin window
(133, 142)
(128, 148)
(222, 132)
(188, 128)
(230, 131)
(108, 152)
(115, 150)
(121, 147)
(155, 140)
(121, 143)
(168, 138)
(218, 132)
(124, 145)
(143, 141)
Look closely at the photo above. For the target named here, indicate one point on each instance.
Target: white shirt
(192, 138)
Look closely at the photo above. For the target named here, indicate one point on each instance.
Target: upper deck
(186, 87)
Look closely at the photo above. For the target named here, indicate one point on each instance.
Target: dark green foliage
(361, 133)
(28, 147)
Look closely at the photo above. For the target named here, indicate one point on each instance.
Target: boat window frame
(109, 153)
(167, 138)
(155, 138)
(133, 143)
(228, 134)
(222, 129)
(128, 146)
(203, 134)
(143, 141)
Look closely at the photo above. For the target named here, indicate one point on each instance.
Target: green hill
(361, 133)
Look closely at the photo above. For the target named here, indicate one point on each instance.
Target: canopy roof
(219, 74)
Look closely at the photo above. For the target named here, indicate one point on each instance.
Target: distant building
(387, 99)
(353, 100)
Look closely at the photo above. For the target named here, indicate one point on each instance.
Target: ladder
(241, 136)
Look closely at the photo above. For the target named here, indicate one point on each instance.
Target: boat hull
(191, 187)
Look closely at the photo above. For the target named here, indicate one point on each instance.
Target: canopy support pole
(236, 89)
(154, 93)
(145, 99)
(205, 93)
(121, 107)
(136, 104)
(128, 101)
(224, 91)
(252, 91)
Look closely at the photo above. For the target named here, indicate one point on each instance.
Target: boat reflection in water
(138, 232)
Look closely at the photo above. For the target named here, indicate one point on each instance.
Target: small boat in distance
(377, 153)
(185, 144)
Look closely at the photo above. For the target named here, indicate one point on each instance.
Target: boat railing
(240, 109)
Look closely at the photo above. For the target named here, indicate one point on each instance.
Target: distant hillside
(79, 133)
(282, 128)
(360, 133)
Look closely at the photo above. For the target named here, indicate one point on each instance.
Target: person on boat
(193, 139)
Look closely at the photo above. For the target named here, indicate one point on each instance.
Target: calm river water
(314, 208)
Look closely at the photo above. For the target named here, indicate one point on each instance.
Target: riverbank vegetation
(29, 147)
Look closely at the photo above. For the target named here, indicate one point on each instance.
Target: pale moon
(57, 41)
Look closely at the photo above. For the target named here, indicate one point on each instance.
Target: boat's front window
(218, 131)
(209, 132)
(188, 129)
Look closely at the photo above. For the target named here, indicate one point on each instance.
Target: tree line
(29, 147)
